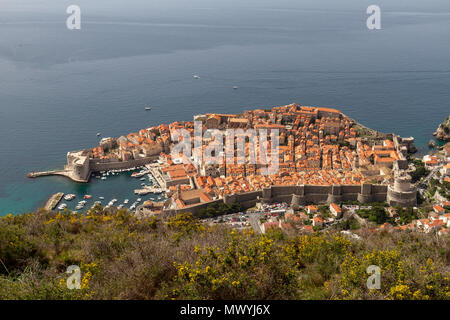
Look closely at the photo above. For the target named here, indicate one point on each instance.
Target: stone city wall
(300, 195)
(99, 165)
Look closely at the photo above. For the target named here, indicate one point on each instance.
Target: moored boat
(69, 197)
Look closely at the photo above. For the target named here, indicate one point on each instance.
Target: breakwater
(53, 201)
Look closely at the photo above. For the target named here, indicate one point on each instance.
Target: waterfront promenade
(66, 173)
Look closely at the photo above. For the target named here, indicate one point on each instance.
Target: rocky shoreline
(443, 131)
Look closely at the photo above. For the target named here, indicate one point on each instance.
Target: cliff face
(443, 131)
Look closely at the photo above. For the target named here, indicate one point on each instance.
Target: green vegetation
(351, 202)
(443, 130)
(218, 209)
(324, 210)
(406, 215)
(348, 224)
(444, 189)
(420, 171)
(123, 257)
(377, 214)
(434, 185)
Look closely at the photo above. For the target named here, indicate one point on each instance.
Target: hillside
(122, 257)
(443, 131)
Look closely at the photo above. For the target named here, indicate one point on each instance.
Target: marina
(141, 186)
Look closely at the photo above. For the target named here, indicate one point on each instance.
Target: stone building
(78, 165)
(402, 192)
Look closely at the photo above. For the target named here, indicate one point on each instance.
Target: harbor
(121, 189)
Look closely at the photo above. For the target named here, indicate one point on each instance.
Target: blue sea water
(58, 88)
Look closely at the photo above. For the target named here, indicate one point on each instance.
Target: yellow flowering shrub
(398, 279)
(122, 256)
(242, 268)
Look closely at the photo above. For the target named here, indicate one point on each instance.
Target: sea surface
(59, 87)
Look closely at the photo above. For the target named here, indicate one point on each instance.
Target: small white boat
(235, 87)
(103, 178)
(69, 197)
(196, 76)
(138, 200)
(101, 198)
(148, 108)
(98, 134)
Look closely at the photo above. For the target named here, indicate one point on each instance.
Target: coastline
(378, 156)
(105, 166)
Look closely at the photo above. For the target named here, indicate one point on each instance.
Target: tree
(420, 171)
(377, 214)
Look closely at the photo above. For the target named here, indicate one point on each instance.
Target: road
(254, 221)
(431, 174)
(425, 180)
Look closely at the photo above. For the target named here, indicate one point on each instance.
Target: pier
(147, 190)
(46, 173)
(53, 201)
(156, 174)
(65, 173)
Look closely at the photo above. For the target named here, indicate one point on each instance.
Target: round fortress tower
(402, 183)
(402, 192)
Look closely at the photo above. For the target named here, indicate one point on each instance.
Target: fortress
(79, 166)
(324, 157)
(401, 192)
